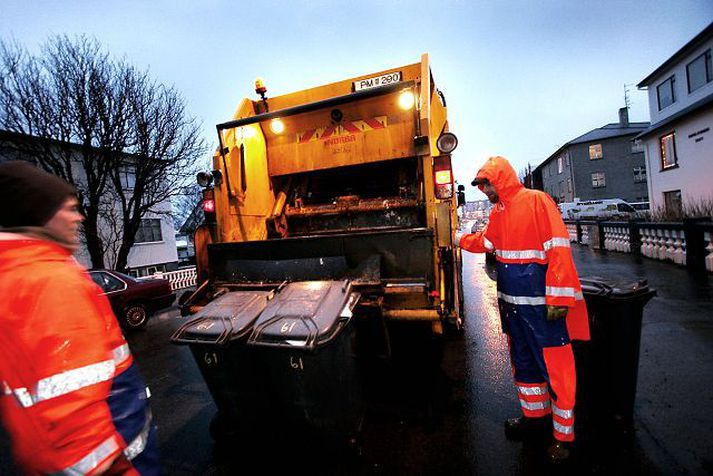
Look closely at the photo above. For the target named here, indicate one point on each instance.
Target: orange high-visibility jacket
(525, 228)
(60, 351)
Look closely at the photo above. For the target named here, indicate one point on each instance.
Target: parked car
(610, 208)
(132, 300)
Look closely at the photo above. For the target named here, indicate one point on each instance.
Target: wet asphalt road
(449, 420)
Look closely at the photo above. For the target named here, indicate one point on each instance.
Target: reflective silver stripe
(566, 414)
(556, 242)
(565, 429)
(6, 389)
(138, 445)
(488, 244)
(579, 296)
(559, 291)
(534, 405)
(65, 382)
(521, 254)
(91, 461)
(523, 300)
(532, 390)
(121, 353)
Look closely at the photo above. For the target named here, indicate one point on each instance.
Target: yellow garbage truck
(347, 181)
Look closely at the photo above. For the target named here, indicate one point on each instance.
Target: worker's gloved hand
(556, 312)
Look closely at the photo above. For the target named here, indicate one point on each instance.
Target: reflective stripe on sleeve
(532, 390)
(560, 291)
(522, 300)
(579, 296)
(566, 414)
(534, 405)
(138, 444)
(488, 244)
(66, 382)
(120, 354)
(564, 429)
(91, 461)
(556, 242)
(521, 254)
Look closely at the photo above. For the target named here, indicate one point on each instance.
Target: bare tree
(92, 120)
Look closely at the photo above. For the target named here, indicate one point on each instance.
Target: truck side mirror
(461, 195)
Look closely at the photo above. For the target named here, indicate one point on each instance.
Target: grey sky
(521, 77)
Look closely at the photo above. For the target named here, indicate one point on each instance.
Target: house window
(640, 174)
(569, 185)
(560, 165)
(127, 175)
(668, 151)
(598, 180)
(665, 93)
(698, 72)
(595, 151)
(672, 202)
(149, 231)
(637, 146)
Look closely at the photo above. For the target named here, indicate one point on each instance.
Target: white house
(678, 145)
(155, 246)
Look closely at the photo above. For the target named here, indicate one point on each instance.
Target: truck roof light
(204, 179)
(406, 99)
(260, 86)
(447, 142)
(277, 126)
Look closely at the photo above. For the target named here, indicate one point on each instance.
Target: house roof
(697, 41)
(608, 131)
(701, 105)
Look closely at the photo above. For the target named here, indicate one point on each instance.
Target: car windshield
(623, 207)
(125, 277)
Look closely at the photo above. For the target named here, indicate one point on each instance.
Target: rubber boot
(558, 452)
(523, 427)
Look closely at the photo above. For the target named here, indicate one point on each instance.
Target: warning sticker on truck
(343, 129)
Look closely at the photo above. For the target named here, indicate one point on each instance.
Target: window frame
(594, 147)
(140, 239)
(672, 81)
(707, 70)
(603, 180)
(642, 168)
(671, 134)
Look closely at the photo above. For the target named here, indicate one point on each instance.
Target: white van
(610, 208)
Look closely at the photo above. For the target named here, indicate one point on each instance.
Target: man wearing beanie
(71, 397)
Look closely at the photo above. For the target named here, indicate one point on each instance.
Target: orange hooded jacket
(60, 349)
(526, 227)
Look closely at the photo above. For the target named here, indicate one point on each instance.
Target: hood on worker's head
(499, 172)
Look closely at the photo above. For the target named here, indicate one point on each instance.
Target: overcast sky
(521, 77)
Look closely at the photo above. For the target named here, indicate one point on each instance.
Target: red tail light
(208, 201)
(443, 177)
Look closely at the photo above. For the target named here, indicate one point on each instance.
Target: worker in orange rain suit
(71, 397)
(540, 300)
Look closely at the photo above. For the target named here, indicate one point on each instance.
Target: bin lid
(602, 287)
(305, 314)
(228, 317)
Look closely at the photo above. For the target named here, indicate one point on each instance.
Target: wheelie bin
(305, 339)
(217, 337)
(608, 364)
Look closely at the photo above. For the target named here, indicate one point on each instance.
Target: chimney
(624, 117)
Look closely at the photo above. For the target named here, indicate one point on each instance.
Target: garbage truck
(324, 207)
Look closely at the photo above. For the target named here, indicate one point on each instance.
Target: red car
(133, 300)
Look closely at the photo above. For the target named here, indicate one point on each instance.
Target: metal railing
(688, 243)
(180, 279)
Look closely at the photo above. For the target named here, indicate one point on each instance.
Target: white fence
(183, 278)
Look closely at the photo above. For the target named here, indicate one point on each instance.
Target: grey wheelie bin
(607, 365)
(217, 338)
(305, 339)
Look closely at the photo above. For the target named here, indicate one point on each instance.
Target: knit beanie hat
(29, 196)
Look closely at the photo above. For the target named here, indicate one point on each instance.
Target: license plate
(377, 81)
